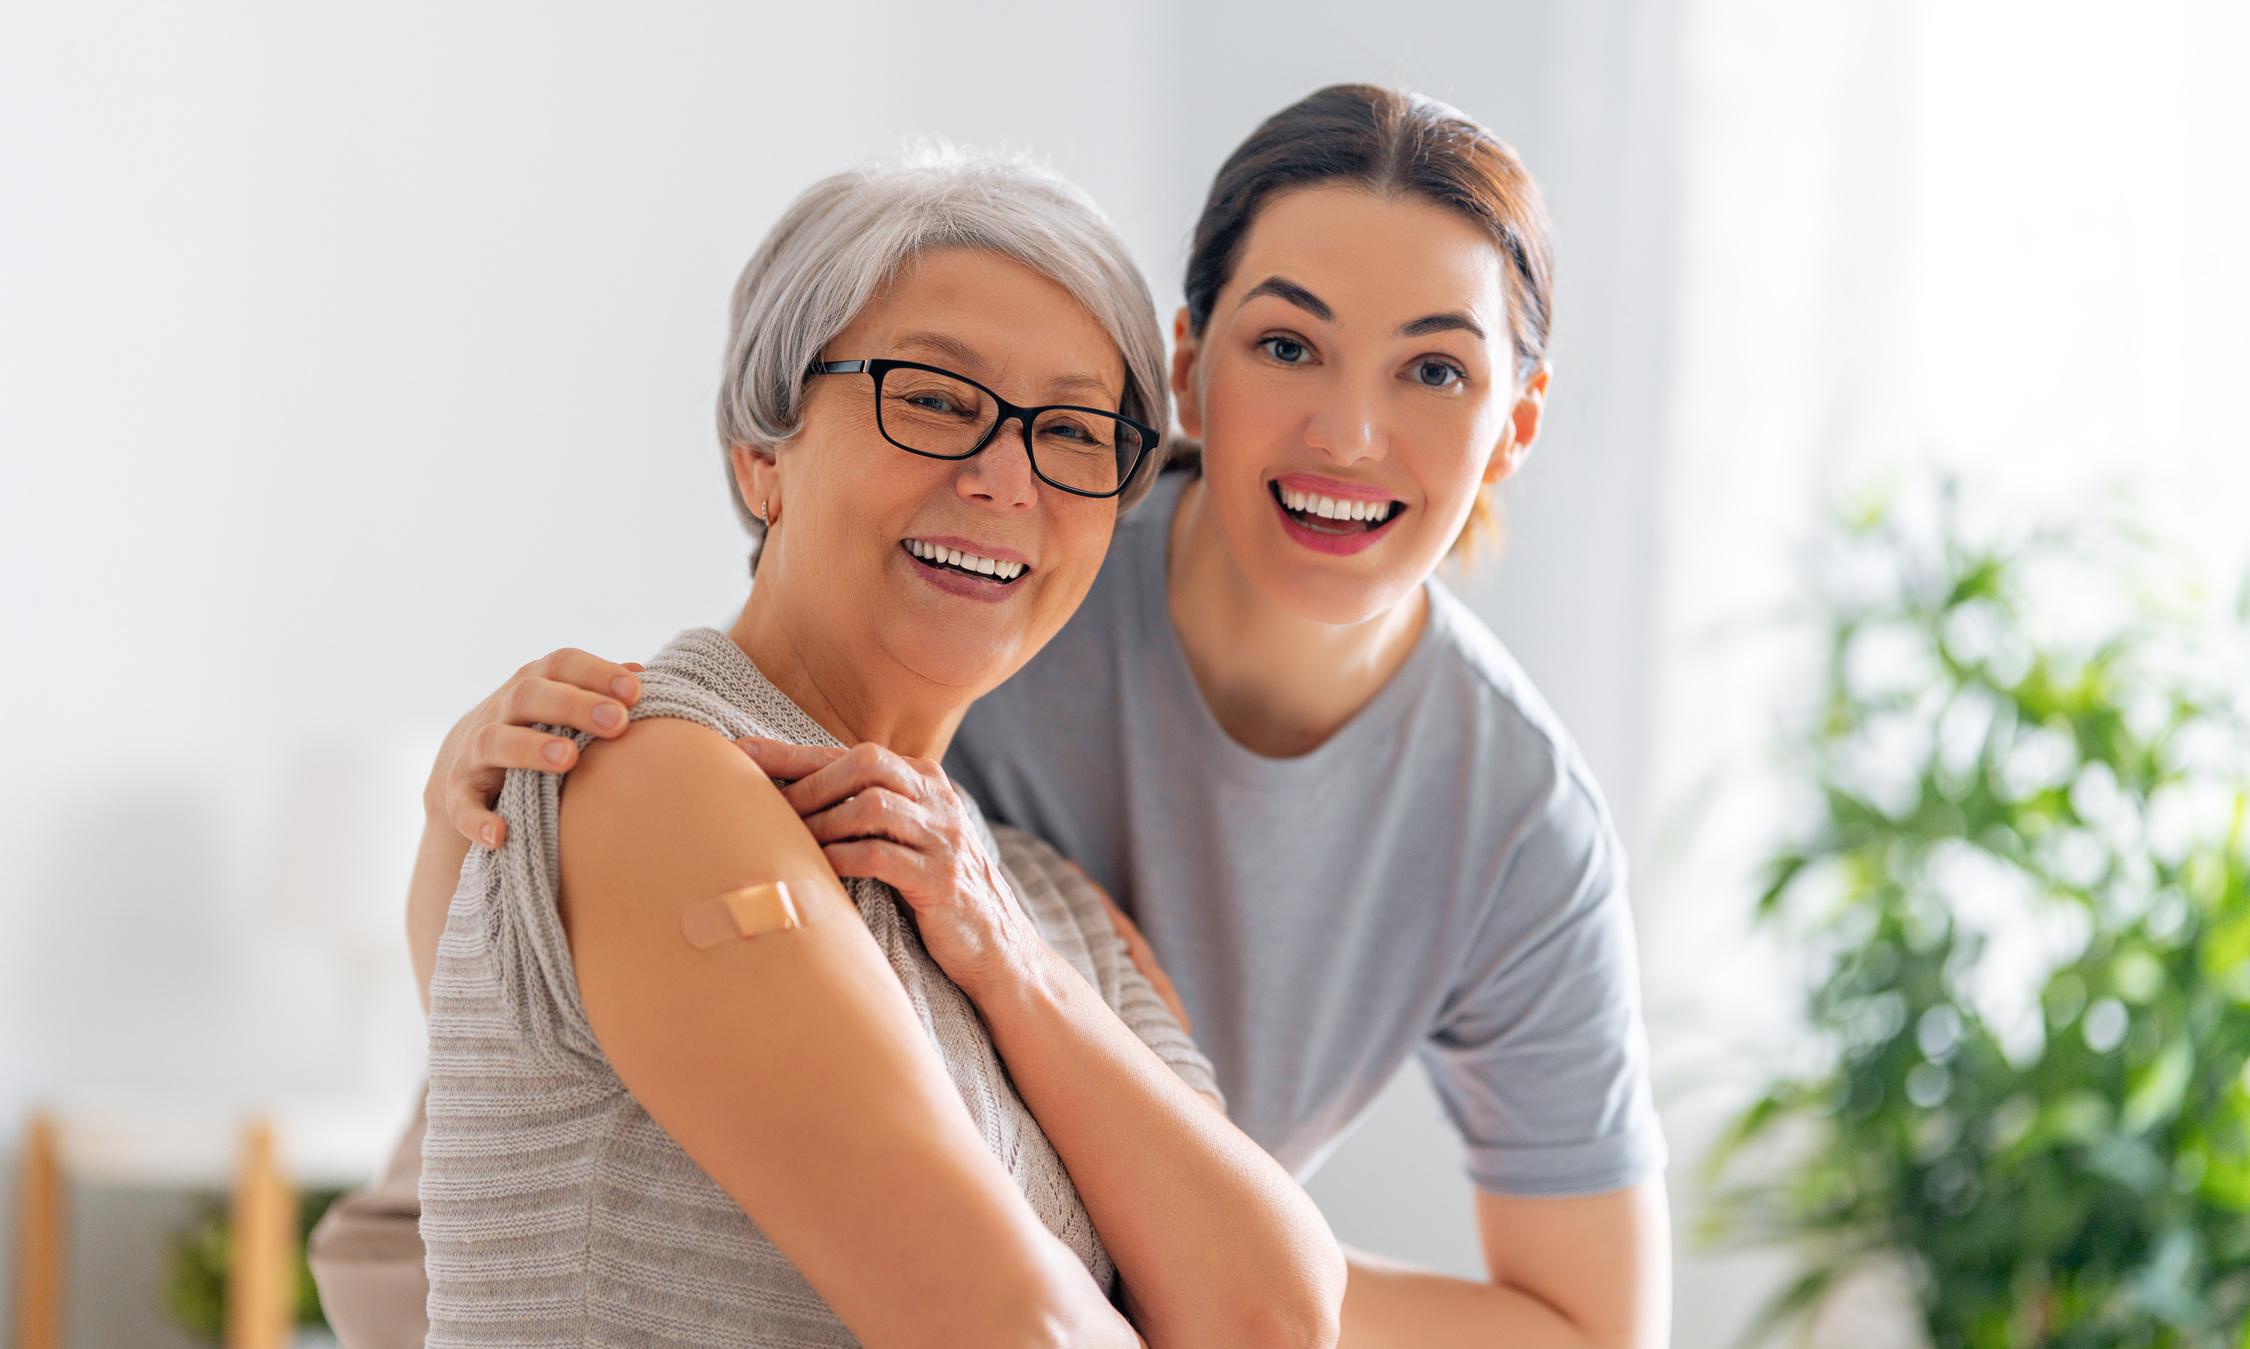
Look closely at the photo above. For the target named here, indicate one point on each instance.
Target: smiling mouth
(1335, 515)
(954, 560)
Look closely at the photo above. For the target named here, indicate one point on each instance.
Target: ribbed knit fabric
(554, 1210)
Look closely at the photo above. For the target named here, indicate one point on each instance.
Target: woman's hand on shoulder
(899, 821)
(563, 688)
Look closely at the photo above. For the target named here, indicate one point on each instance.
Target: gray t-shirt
(1441, 877)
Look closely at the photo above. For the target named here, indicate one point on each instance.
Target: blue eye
(1287, 350)
(1437, 374)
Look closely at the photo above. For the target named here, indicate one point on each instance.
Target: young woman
(688, 1088)
(1349, 827)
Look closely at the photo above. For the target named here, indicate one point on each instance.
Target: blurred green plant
(198, 1255)
(2023, 893)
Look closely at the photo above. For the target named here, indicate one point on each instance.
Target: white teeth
(1332, 508)
(954, 557)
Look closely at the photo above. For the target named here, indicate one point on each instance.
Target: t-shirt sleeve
(1029, 862)
(1539, 1055)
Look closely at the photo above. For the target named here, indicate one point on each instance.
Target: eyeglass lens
(933, 413)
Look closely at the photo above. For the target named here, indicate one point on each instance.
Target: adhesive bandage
(752, 911)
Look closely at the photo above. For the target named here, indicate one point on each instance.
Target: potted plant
(2023, 895)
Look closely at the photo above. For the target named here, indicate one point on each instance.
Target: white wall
(350, 358)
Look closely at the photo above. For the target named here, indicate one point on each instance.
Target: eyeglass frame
(1023, 416)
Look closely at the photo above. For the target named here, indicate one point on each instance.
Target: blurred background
(315, 321)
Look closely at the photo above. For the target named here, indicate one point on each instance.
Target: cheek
(1077, 541)
(1242, 412)
(1448, 473)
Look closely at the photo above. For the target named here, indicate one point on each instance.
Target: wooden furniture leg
(262, 1270)
(41, 1235)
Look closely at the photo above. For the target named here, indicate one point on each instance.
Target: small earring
(762, 515)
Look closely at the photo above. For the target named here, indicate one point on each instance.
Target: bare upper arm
(1603, 1261)
(789, 1066)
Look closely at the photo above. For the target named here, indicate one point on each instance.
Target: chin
(959, 655)
(1334, 599)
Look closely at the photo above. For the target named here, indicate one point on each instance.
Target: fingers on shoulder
(586, 671)
(535, 700)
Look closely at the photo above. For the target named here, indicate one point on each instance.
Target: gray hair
(846, 236)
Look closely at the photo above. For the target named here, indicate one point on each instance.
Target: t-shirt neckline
(1390, 702)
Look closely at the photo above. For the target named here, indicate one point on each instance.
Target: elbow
(1278, 1322)
(1312, 1316)
(1299, 1306)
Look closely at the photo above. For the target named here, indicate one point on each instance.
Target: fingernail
(622, 688)
(753, 747)
(608, 716)
(492, 836)
(555, 752)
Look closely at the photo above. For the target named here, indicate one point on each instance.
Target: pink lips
(1319, 541)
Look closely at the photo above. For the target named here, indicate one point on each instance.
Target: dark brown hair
(1388, 142)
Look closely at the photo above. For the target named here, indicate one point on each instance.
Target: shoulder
(1496, 710)
(664, 761)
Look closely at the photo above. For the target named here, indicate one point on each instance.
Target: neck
(854, 699)
(1279, 684)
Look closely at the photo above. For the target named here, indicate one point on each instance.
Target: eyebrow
(955, 349)
(1289, 292)
(1441, 323)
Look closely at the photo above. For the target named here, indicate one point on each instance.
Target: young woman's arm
(790, 1066)
(1583, 1273)
(1587, 1273)
(563, 688)
(1215, 1243)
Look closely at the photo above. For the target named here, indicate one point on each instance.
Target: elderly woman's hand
(898, 821)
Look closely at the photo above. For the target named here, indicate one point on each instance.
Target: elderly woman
(687, 1085)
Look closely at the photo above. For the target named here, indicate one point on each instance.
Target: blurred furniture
(260, 1161)
(39, 1240)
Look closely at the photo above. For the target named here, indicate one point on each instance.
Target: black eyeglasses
(940, 415)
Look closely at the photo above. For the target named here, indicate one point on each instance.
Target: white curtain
(1997, 238)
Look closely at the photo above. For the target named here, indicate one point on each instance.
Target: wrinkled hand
(898, 820)
(564, 688)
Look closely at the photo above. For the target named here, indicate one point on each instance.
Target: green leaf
(2158, 1089)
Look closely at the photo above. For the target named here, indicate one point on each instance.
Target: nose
(1001, 475)
(1349, 429)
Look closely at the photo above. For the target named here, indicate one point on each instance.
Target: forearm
(1390, 1305)
(1215, 1243)
(1580, 1272)
(429, 896)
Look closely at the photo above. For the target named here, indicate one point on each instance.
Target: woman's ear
(1183, 377)
(1523, 428)
(757, 476)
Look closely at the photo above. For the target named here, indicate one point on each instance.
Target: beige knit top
(554, 1210)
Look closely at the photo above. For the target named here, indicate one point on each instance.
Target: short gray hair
(846, 236)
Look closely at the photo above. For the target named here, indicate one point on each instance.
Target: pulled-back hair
(1391, 143)
(1394, 143)
(848, 235)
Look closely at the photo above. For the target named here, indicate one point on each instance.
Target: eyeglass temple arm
(839, 367)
